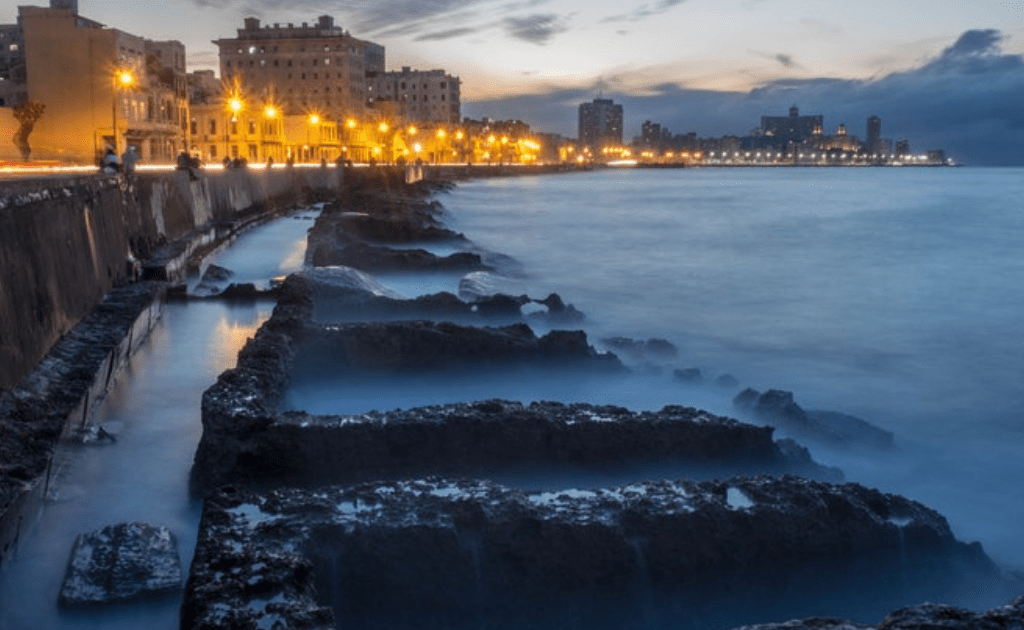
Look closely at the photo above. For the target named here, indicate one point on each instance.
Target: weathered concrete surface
(923, 617)
(59, 395)
(66, 245)
(121, 563)
(66, 242)
(246, 438)
(462, 554)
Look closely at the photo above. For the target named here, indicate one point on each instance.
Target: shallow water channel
(154, 411)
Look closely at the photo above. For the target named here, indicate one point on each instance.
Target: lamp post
(270, 113)
(235, 105)
(122, 79)
(314, 120)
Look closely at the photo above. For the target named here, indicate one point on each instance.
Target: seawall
(70, 314)
(65, 242)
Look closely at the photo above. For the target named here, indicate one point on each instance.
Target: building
(415, 96)
(13, 86)
(778, 132)
(872, 143)
(303, 70)
(600, 125)
(72, 65)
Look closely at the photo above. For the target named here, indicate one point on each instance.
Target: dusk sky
(943, 73)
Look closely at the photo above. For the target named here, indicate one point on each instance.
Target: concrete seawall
(69, 317)
(64, 243)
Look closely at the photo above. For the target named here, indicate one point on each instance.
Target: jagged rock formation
(923, 617)
(833, 428)
(121, 563)
(679, 554)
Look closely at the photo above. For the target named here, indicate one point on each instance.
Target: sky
(941, 73)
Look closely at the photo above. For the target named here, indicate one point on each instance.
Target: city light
(314, 119)
(125, 78)
(270, 111)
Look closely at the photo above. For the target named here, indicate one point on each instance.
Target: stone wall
(64, 242)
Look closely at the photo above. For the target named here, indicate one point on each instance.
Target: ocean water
(896, 295)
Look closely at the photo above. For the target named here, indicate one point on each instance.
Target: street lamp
(122, 79)
(269, 128)
(314, 120)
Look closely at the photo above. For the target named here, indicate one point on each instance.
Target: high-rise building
(70, 63)
(600, 124)
(308, 69)
(421, 96)
(780, 131)
(874, 135)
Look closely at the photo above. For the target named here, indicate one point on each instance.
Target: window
(289, 63)
(252, 126)
(314, 62)
(444, 84)
(227, 64)
(193, 127)
(213, 126)
(442, 97)
(234, 127)
(252, 49)
(277, 63)
(303, 76)
(263, 63)
(213, 151)
(315, 75)
(327, 61)
(403, 85)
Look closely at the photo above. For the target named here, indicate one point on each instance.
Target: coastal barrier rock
(439, 553)
(480, 285)
(369, 257)
(445, 346)
(837, 429)
(121, 563)
(922, 617)
(640, 350)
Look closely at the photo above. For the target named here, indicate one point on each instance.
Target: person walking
(109, 164)
(128, 160)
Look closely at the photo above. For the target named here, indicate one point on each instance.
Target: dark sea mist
(891, 294)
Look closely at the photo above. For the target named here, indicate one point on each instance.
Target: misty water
(154, 410)
(895, 295)
(891, 294)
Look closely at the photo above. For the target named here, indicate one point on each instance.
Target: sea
(892, 294)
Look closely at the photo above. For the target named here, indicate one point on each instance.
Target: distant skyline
(943, 73)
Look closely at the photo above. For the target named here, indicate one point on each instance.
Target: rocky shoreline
(286, 538)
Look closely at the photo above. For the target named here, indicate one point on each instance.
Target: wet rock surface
(923, 617)
(834, 428)
(121, 563)
(447, 554)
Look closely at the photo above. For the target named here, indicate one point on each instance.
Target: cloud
(968, 100)
(363, 17)
(644, 11)
(786, 61)
(449, 34)
(535, 29)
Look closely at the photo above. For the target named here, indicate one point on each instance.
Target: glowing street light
(122, 79)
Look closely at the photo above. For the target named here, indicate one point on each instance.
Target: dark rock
(660, 348)
(214, 273)
(121, 563)
(689, 375)
(500, 306)
(242, 292)
(642, 350)
(923, 617)
(439, 553)
(779, 407)
(727, 381)
(421, 345)
(376, 258)
(559, 312)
